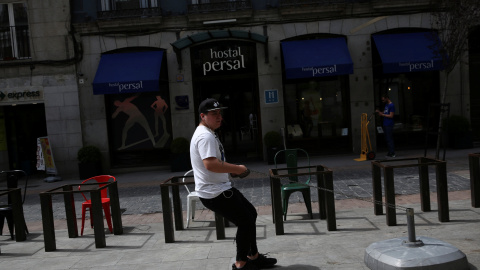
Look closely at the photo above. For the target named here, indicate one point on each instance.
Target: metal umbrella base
(424, 253)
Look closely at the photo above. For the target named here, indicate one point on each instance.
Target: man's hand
(242, 175)
(244, 172)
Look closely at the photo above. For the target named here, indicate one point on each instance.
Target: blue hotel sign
(271, 96)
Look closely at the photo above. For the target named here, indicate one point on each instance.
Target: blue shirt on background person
(388, 123)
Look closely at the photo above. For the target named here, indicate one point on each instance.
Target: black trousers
(232, 205)
(388, 131)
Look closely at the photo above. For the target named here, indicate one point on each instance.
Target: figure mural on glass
(160, 107)
(134, 116)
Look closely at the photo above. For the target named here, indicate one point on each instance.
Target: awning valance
(128, 73)
(316, 58)
(409, 52)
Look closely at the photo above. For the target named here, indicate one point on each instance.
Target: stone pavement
(140, 193)
(306, 244)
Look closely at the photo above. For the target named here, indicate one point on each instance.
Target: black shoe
(248, 266)
(263, 262)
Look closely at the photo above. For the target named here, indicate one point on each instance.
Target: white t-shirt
(205, 144)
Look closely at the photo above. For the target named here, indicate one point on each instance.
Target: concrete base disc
(398, 253)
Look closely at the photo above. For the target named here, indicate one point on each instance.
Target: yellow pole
(364, 134)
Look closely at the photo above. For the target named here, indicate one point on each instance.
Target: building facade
(139, 69)
(38, 85)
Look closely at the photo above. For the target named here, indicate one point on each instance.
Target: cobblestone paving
(145, 197)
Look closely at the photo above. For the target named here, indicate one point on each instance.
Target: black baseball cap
(209, 104)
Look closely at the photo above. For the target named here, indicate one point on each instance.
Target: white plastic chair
(192, 200)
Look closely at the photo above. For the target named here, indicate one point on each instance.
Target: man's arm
(385, 115)
(214, 165)
(390, 115)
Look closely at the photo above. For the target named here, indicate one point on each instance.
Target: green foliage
(180, 145)
(456, 124)
(89, 154)
(273, 139)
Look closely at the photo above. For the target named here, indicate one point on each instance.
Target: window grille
(14, 32)
(114, 9)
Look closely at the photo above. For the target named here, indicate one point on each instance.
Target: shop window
(139, 127)
(411, 93)
(317, 107)
(14, 32)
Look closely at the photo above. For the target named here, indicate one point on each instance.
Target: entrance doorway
(23, 125)
(474, 69)
(239, 132)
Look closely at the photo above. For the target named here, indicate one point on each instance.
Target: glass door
(240, 128)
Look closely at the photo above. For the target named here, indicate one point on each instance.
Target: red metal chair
(105, 201)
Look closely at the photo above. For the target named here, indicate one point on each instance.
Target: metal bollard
(412, 238)
(412, 253)
(411, 225)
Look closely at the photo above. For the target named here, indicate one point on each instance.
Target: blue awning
(316, 58)
(409, 52)
(128, 73)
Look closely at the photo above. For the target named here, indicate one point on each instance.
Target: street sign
(271, 96)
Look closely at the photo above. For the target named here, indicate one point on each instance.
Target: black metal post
(167, 215)
(424, 185)
(97, 217)
(70, 212)
(277, 205)
(271, 198)
(329, 201)
(377, 189)
(115, 209)
(389, 196)
(474, 165)
(220, 226)
(18, 218)
(442, 192)
(177, 205)
(322, 194)
(47, 222)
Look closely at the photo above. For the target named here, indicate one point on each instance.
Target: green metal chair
(291, 158)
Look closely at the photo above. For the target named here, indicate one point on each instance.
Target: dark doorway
(23, 125)
(474, 67)
(240, 128)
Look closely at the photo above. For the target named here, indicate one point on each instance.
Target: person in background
(212, 184)
(388, 123)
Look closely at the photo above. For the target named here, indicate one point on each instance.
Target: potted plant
(273, 143)
(180, 149)
(458, 132)
(89, 161)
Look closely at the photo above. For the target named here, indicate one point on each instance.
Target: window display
(318, 107)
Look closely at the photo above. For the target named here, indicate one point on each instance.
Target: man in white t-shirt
(215, 190)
